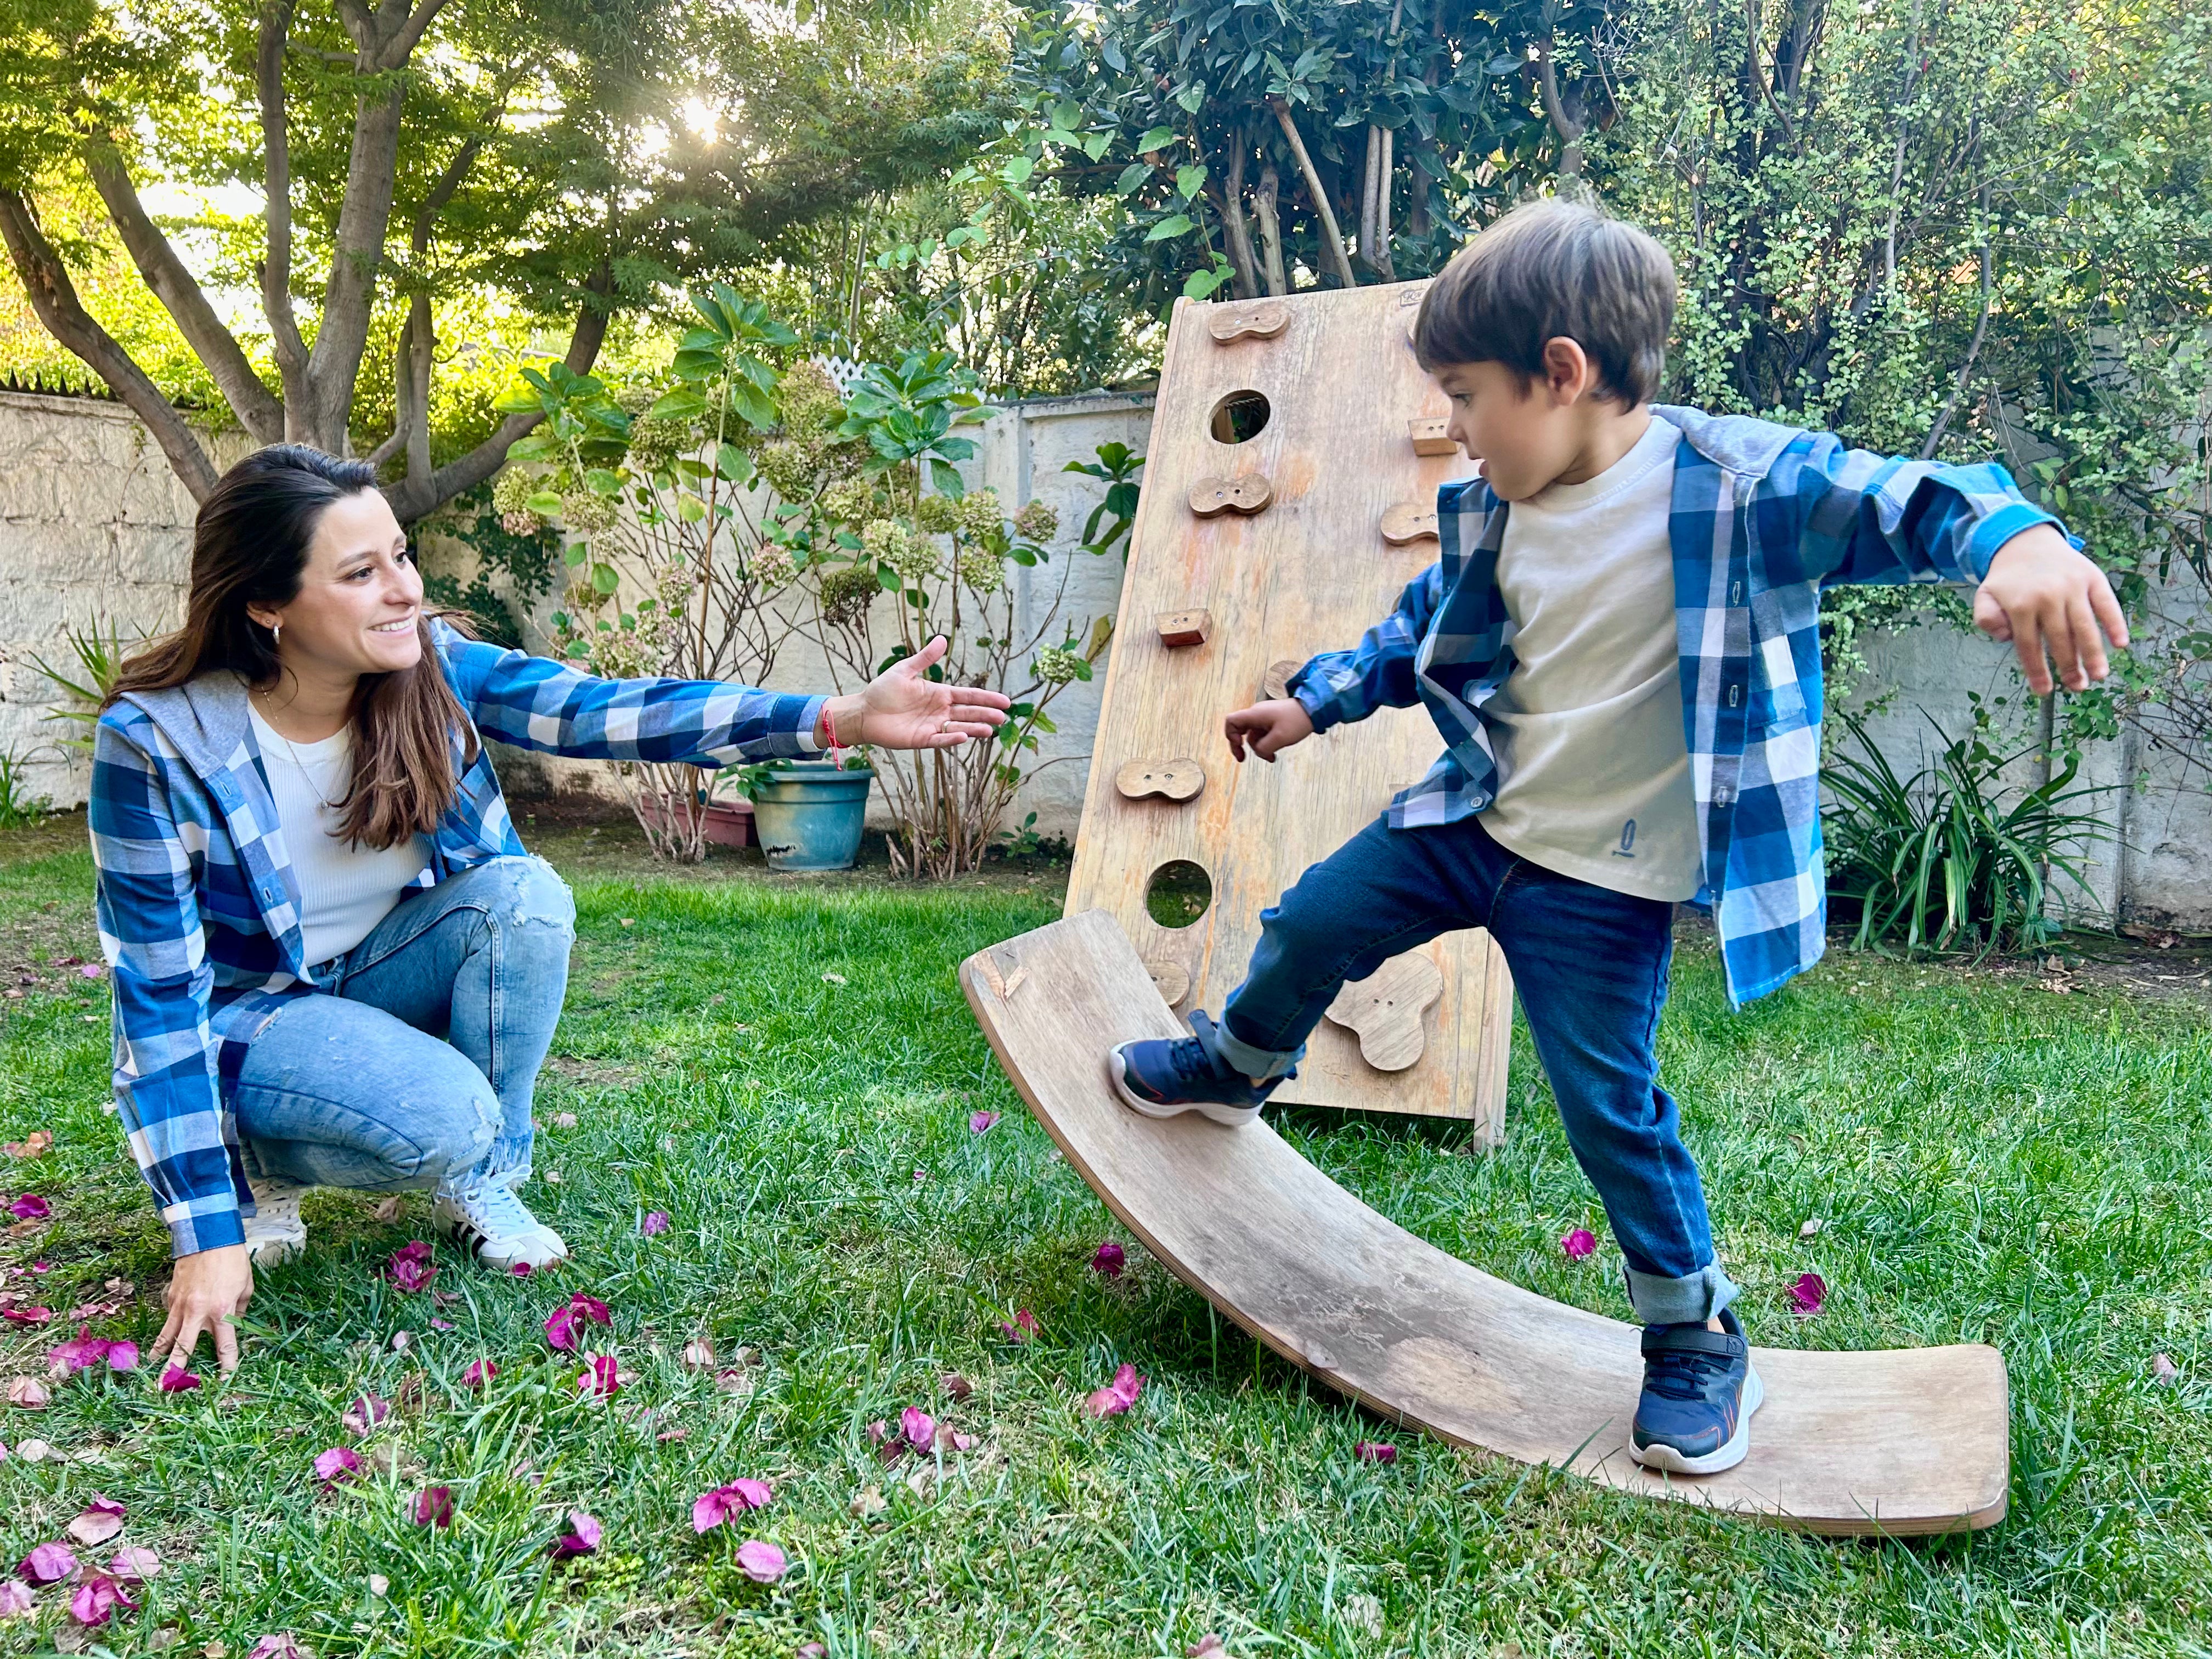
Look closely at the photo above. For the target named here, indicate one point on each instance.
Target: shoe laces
(1191, 1062)
(495, 1209)
(1683, 1373)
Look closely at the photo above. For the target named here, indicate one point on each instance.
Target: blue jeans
(1591, 965)
(418, 1066)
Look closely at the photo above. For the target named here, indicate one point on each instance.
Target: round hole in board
(1179, 893)
(1238, 417)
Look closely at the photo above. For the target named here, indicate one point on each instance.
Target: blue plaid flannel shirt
(199, 910)
(1763, 518)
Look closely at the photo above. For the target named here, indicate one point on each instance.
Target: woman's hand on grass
(902, 708)
(207, 1292)
(2042, 596)
(1267, 728)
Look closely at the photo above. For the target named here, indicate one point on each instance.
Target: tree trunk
(1564, 108)
(1374, 205)
(1232, 218)
(1332, 237)
(1271, 228)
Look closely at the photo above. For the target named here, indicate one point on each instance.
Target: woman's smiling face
(359, 603)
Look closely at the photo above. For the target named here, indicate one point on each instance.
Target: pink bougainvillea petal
(2163, 1369)
(480, 1374)
(42, 1266)
(980, 1122)
(33, 1145)
(1580, 1242)
(590, 1308)
(581, 1538)
(1117, 1396)
(1109, 1259)
(1208, 1646)
(708, 1510)
(80, 1353)
(1807, 1292)
(28, 1392)
(26, 1315)
(1023, 1326)
(919, 1427)
(434, 1507)
(560, 1328)
(278, 1646)
(337, 1465)
(656, 1221)
(30, 1207)
(1375, 1451)
(520, 1270)
(409, 1267)
(90, 971)
(365, 1413)
(16, 1598)
(178, 1380)
(123, 1356)
(749, 1494)
(98, 1522)
(135, 1563)
(762, 1563)
(96, 1600)
(600, 1378)
(48, 1563)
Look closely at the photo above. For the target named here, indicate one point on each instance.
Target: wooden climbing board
(1289, 496)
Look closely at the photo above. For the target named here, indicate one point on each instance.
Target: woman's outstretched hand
(902, 708)
(207, 1290)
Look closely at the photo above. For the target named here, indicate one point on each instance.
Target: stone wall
(93, 524)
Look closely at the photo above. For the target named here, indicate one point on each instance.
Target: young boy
(1620, 646)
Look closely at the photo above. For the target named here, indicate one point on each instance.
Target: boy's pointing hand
(2045, 597)
(1268, 728)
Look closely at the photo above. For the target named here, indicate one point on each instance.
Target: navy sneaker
(1699, 1392)
(1165, 1077)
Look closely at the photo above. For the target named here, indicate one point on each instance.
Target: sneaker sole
(472, 1244)
(1668, 1461)
(1231, 1116)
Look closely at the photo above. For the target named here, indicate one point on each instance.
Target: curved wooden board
(1902, 1441)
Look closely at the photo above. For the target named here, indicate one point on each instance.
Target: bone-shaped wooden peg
(1385, 1009)
(1174, 780)
(1210, 497)
(1258, 322)
(1427, 432)
(1409, 521)
(1182, 627)
(1170, 978)
(1277, 683)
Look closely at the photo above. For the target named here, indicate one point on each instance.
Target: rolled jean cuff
(1261, 1063)
(1659, 1300)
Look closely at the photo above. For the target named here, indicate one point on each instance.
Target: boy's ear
(1568, 372)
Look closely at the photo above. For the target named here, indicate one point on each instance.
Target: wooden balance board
(1900, 1441)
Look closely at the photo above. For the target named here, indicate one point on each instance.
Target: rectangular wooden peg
(1181, 627)
(1427, 432)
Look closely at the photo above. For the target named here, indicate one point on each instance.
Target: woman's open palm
(903, 708)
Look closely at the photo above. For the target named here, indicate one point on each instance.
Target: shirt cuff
(1322, 708)
(210, 1230)
(790, 735)
(2000, 527)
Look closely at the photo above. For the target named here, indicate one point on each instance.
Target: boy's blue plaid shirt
(1763, 517)
(199, 910)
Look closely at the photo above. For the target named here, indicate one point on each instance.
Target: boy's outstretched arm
(1346, 685)
(2054, 606)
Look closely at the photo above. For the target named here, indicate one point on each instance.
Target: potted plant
(810, 814)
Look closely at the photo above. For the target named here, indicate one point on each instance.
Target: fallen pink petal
(1023, 1328)
(581, 1538)
(90, 971)
(480, 1374)
(434, 1507)
(980, 1122)
(762, 1563)
(96, 1600)
(889, 1447)
(1117, 1396)
(1375, 1451)
(1109, 1259)
(134, 1564)
(656, 1221)
(178, 1380)
(26, 1315)
(1580, 1242)
(98, 1522)
(280, 1645)
(564, 1324)
(710, 1509)
(16, 1598)
(1807, 1292)
(337, 1465)
(33, 1145)
(520, 1270)
(42, 1266)
(30, 1207)
(956, 1386)
(84, 1351)
(919, 1427)
(1208, 1646)
(365, 1413)
(600, 1377)
(2164, 1369)
(442, 1325)
(48, 1563)
(28, 1393)
(410, 1267)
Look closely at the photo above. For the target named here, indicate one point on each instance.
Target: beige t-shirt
(1593, 767)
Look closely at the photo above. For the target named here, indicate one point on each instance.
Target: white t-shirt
(344, 890)
(1593, 768)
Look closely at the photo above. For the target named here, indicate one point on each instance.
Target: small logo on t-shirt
(1627, 848)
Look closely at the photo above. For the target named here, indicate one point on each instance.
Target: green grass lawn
(1991, 1163)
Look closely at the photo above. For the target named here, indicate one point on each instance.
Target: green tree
(574, 158)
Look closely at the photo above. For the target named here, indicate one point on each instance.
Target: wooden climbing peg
(1174, 780)
(1230, 324)
(1171, 980)
(1385, 1009)
(1409, 521)
(1210, 497)
(1277, 684)
(1427, 432)
(1182, 627)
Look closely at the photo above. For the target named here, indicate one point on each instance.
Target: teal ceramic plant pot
(809, 814)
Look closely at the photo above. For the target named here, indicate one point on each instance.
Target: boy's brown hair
(1550, 269)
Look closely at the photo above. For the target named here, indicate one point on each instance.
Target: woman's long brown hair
(250, 547)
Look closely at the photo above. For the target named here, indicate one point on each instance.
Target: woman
(335, 964)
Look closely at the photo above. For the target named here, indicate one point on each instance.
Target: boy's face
(1525, 436)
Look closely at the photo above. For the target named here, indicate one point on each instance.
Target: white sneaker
(273, 1233)
(486, 1220)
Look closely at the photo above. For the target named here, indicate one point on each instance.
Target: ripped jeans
(417, 1069)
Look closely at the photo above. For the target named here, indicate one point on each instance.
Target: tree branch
(1270, 227)
(53, 297)
(1567, 123)
(1974, 345)
(257, 408)
(276, 189)
(402, 46)
(1232, 219)
(1331, 236)
(403, 401)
